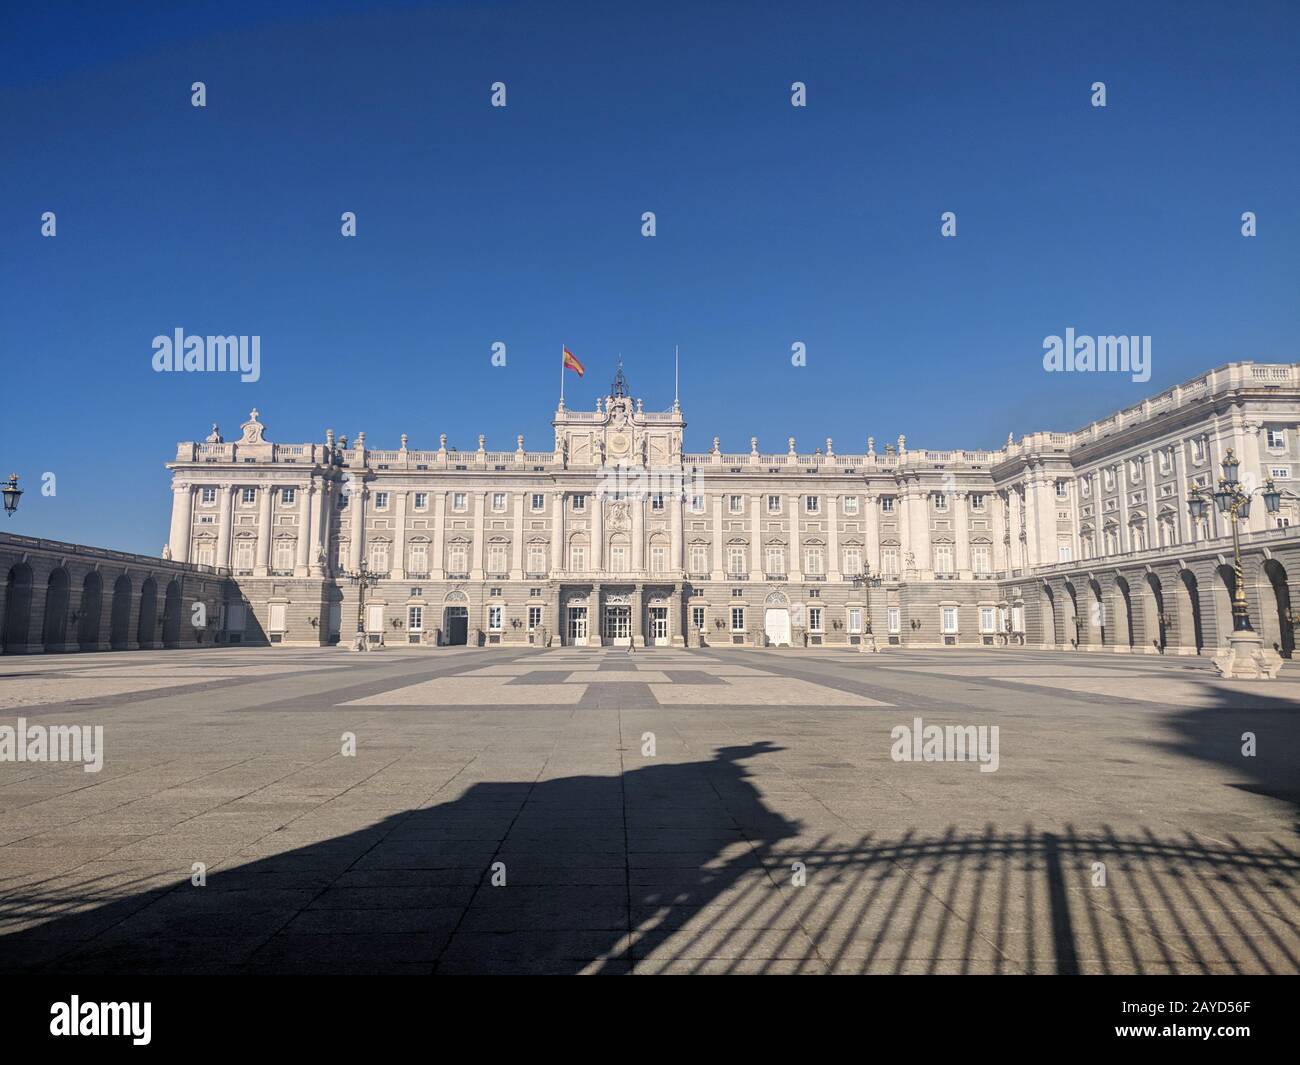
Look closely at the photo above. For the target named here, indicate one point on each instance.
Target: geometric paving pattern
(768, 830)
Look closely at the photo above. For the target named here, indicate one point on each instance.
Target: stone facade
(615, 535)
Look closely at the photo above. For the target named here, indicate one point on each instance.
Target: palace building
(616, 534)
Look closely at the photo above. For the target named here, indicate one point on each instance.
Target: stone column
(225, 524)
(675, 530)
(833, 539)
(999, 508)
(919, 527)
(439, 528)
(316, 505)
(872, 505)
(961, 520)
(597, 532)
(357, 526)
(795, 569)
(397, 565)
(638, 615)
(637, 505)
(263, 565)
(558, 562)
(1254, 473)
(306, 529)
(517, 540)
(476, 559)
(717, 538)
(182, 520)
(756, 563)
(1184, 520)
(1123, 484)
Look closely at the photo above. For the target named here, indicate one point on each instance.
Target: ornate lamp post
(364, 578)
(1246, 657)
(12, 494)
(866, 579)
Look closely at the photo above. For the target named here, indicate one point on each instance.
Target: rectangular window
(815, 619)
(536, 558)
(1277, 438)
(949, 619)
(577, 557)
(421, 500)
(496, 558)
(889, 561)
(699, 558)
(1063, 488)
(981, 559)
(282, 559)
(735, 504)
(579, 502)
(379, 557)
(940, 502)
(658, 558)
(776, 561)
(697, 504)
(287, 496)
(209, 495)
(618, 559)
(1017, 619)
(697, 617)
(813, 562)
(943, 559)
(248, 496)
(1280, 473)
(737, 619)
(381, 500)
(534, 617)
(850, 504)
(457, 555)
(887, 504)
(657, 501)
(774, 504)
(415, 619)
(893, 619)
(977, 502)
(855, 620)
(494, 619)
(812, 504)
(418, 560)
(986, 619)
(736, 560)
(459, 501)
(852, 562)
(1063, 553)
(539, 501)
(498, 502)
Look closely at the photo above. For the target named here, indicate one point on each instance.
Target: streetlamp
(12, 494)
(364, 578)
(1246, 657)
(867, 580)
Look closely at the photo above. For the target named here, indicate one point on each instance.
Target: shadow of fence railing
(995, 901)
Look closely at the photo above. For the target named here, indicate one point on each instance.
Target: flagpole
(676, 396)
(561, 377)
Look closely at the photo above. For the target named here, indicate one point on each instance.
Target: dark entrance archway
(1191, 608)
(172, 615)
(119, 628)
(1154, 613)
(457, 626)
(1276, 574)
(92, 606)
(55, 635)
(18, 608)
(146, 634)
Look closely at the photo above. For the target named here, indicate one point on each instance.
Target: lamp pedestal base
(1246, 658)
(360, 643)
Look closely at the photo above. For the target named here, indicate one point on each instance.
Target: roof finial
(619, 388)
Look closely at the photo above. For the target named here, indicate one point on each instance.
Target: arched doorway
(1224, 590)
(1073, 625)
(776, 620)
(455, 619)
(18, 608)
(1123, 610)
(1049, 617)
(172, 615)
(119, 627)
(1276, 574)
(145, 632)
(55, 635)
(1098, 622)
(1189, 620)
(92, 604)
(1153, 622)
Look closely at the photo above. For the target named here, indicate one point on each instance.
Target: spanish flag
(571, 363)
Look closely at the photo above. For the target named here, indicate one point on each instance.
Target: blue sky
(522, 224)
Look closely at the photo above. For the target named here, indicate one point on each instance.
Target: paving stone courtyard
(768, 829)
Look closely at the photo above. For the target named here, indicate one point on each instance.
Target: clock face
(619, 443)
